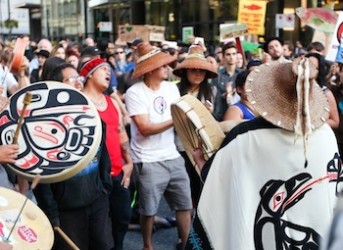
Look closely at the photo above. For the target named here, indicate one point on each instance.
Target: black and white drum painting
(60, 133)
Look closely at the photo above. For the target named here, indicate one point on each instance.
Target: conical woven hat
(196, 60)
(271, 89)
(150, 58)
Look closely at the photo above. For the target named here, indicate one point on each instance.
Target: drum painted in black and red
(60, 135)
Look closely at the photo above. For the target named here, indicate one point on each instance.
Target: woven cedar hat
(195, 59)
(279, 93)
(150, 58)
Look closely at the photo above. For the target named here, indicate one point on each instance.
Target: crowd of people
(290, 92)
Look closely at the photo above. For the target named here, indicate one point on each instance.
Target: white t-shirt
(9, 82)
(141, 100)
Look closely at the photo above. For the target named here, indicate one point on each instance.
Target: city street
(163, 238)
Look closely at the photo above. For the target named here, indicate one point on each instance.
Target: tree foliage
(11, 23)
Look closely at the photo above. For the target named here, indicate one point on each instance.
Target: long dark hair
(321, 68)
(205, 90)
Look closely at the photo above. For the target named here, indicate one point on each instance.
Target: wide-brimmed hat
(150, 58)
(287, 95)
(195, 59)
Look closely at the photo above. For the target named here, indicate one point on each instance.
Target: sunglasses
(119, 52)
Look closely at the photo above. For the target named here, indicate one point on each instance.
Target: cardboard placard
(232, 30)
(128, 33)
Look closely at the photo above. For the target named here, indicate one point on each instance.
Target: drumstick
(5, 75)
(66, 238)
(33, 185)
(26, 101)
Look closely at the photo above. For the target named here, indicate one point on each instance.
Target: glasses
(119, 52)
(74, 79)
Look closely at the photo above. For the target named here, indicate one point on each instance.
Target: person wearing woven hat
(157, 164)
(194, 72)
(274, 181)
(97, 74)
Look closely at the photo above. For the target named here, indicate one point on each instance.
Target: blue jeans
(120, 211)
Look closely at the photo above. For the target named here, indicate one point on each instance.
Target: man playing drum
(79, 205)
(158, 165)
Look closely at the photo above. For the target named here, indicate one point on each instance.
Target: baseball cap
(134, 42)
(90, 51)
(43, 53)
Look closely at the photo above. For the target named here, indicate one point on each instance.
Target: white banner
(105, 26)
(332, 48)
(284, 21)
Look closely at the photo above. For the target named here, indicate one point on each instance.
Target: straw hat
(150, 58)
(195, 59)
(287, 95)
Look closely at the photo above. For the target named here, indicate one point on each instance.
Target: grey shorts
(168, 178)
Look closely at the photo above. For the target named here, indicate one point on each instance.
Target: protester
(334, 83)
(83, 211)
(194, 71)
(73, 58)
(288, 50)
(158, 166)
(241, 110)
(319, 62)
(240, 61)
(273, 50)
(36, 74)
(97, 74)
(43, 44)
(59, 51)
(67, 74)
(265, 186)
(12, 81)
(121, 64)
(8, 154)
(49, 65)
(225, 82)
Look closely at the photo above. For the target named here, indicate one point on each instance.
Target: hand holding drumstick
(26, 101)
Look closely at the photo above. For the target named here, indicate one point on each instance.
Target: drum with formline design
(33, 229)
(60, 135)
